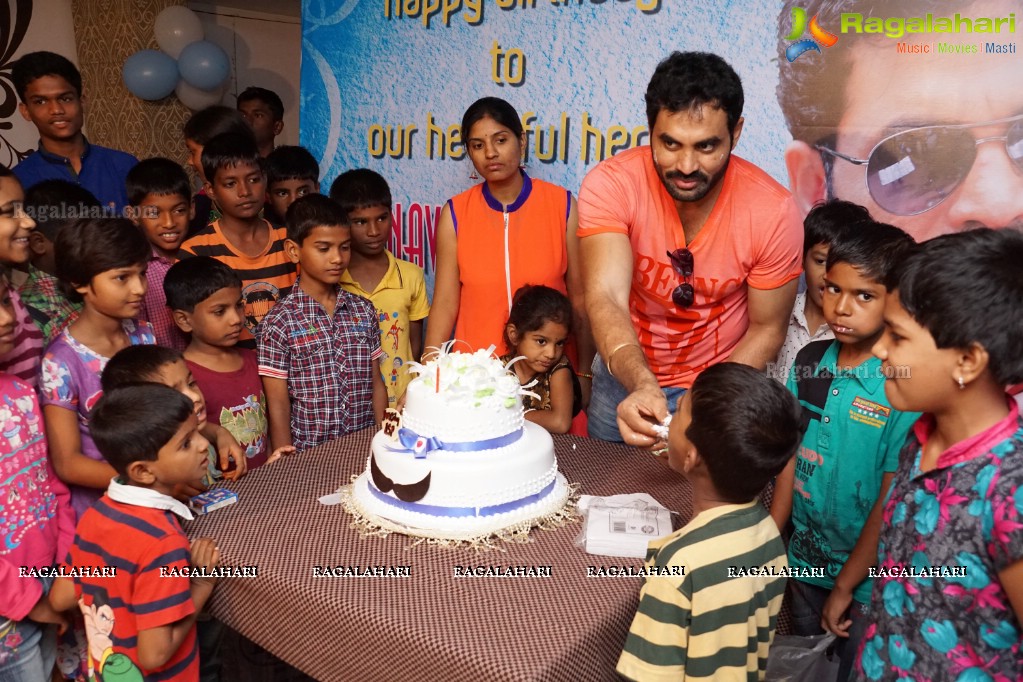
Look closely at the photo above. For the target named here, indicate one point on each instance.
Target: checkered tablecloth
(430, 625)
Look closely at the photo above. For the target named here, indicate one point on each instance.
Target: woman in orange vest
(505, 232)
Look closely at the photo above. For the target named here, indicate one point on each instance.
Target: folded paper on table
(622, 525)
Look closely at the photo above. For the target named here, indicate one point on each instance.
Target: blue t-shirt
(103, 173)
(841, 461)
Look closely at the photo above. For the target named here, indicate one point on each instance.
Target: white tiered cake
(461, 462)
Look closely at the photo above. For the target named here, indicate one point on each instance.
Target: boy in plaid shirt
(319, 347)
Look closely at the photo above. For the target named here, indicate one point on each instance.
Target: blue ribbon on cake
(435, 510)
(421, 445)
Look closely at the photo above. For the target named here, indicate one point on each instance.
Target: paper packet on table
(213, 499)
(622, 525)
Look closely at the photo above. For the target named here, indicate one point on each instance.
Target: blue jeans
(33, 657)
(602, 414)
(808, 605)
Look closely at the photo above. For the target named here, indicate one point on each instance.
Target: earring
(473, 175)
(962, 384)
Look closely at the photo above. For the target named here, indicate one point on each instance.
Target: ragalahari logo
(818, 35)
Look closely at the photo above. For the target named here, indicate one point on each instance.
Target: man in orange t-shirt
(690, 256)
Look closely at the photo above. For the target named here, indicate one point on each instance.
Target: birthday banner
(385, 84)
(911, 109)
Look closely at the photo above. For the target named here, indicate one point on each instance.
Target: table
(431, 625)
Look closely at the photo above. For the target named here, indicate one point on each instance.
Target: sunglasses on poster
(912, 171)
(682, 263)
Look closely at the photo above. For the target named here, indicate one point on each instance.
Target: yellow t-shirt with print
(400, 298)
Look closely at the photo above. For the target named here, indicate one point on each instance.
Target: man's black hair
(745, 427)
(966, 288)
(685, 81)
(157, 176)
(132, 423)
(360, 188)
(35, 65)
(228, 150)
(874, 249)
(191, 281)
(268, 97)
(312, 211)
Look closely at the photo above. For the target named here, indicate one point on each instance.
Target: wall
(98, 35)
(107, 32)
(265, 50)
(35, 25)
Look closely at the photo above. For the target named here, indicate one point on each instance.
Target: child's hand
(280, 452)
(205, 555)
(230, 456)
(833, 618)
(42, 612)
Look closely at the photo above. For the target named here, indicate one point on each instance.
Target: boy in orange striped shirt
(242, 239)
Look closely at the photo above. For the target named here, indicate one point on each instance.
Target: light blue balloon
(203, 65)
(150, 74)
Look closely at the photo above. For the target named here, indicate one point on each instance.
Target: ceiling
(289, 8)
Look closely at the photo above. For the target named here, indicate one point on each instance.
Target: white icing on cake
(475, 485)
(463, 397)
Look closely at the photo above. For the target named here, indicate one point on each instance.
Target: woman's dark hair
(491, 107)
(533, 306)
(85, 248)
(966, 288)
(132, 423)
(745, 427)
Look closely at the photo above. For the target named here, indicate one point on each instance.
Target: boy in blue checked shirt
(319, 346)
(835, 487)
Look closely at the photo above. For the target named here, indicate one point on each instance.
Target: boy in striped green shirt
(734, 431)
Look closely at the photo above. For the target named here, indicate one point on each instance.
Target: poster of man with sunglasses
(925, 129)
(690, 253)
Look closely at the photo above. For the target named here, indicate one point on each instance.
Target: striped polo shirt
(26, 356)
(266, 277)
(714, 620)
(137, 541)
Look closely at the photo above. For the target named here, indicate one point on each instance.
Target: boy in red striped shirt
(134, 574)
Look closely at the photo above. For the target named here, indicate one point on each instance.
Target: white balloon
(196, 99)
(175, 27)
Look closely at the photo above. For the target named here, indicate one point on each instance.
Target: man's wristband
(607, 363)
